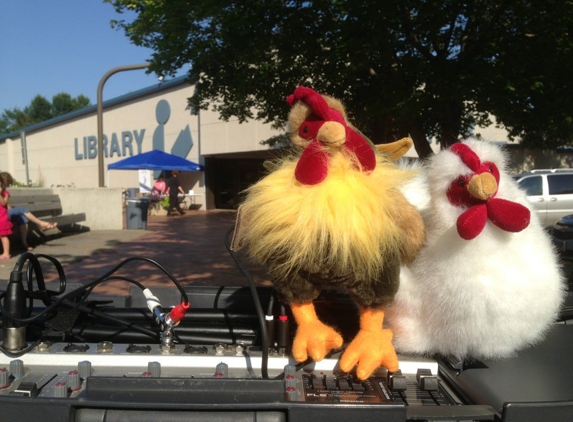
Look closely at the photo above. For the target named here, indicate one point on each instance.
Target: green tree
(532, 85)
(418, 67)
(40, 110)
(3, 126)
(63, 103)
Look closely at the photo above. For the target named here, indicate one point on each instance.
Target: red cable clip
(178, 312)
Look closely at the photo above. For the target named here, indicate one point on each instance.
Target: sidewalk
(191, 247)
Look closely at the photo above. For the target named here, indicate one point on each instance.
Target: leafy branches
(417, 67)
(40, 110)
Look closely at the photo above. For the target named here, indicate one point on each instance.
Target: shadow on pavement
(190, 247)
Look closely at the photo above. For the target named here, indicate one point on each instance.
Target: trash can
(136, 213)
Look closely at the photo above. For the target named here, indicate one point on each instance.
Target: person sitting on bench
(20, 216)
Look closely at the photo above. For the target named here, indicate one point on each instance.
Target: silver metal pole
(24, 147)
(100, 114)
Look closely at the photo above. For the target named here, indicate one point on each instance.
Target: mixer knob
(85, 369)
(4, 378)
(290, 380)
(239, 349)
(105, 346)
(73, 380)
(291, 393)
(222, 370)
(154, 368)
(17, 368)
(61, 389)
(290, 370)
(426, 381)
(43, 347)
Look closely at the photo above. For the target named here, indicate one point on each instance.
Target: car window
(560, 184)
(532, 185)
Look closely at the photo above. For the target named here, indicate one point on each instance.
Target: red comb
(468, 157)
(311, 98)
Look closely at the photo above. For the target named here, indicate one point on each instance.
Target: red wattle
(312, 166)
(472, 221)
(362, 149)
(507, 215)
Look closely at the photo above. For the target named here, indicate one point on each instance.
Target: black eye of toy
(461, 183)
(305, 129)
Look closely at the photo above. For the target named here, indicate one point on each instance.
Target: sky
(48, 47)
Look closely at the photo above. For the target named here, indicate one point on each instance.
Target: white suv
(550, 192)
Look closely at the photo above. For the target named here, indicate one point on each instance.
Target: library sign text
(120, 145)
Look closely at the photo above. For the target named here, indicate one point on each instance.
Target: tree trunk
(418, 135)
(450, 126)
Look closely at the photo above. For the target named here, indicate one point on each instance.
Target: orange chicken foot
(372, 347)
(313, 338)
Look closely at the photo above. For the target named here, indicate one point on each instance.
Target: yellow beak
(482, 186)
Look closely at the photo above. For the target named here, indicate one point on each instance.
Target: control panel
(62, 370)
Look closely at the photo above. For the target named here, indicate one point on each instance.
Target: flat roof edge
(107, 103)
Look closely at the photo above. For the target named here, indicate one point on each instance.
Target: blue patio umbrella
(155, 160)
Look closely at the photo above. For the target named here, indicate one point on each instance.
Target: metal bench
(46, 206)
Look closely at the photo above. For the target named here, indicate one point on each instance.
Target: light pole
(100, 113)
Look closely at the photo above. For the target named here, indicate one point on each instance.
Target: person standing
(5, 224)
(174, 188)
(20, 216)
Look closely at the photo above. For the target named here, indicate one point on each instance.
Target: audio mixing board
(222, 376)
(213, 369)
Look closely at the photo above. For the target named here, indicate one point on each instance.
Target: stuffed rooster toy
(487, 282)
(333, 215)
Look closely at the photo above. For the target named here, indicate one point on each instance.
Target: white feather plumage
(486, 297)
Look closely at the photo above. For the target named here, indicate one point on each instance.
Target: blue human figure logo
(184, 141)
(162, 114)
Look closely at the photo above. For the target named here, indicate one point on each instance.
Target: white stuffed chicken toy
(487, 282)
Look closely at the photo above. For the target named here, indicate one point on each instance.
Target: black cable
(34, 268)
(123, 278)
(42, 293)
(34, 271)
(91, 285)
(104, 316)
(151, 261)
(270, 320)
(270, 308)
(258, 306)
(79, 305)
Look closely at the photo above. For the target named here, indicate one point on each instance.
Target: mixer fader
(229, 375)
(44, 371)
